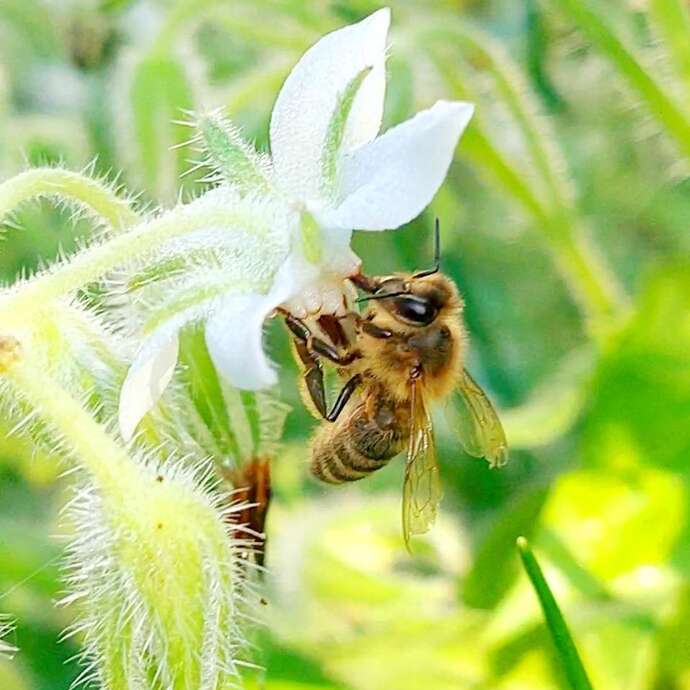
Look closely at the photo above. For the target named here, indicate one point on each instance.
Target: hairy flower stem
(585, 273)
(588, 278)
(90, 193)
(107, 463)
(92, 264)
(154, 571)
(592, 21)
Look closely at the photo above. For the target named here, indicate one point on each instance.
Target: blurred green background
(565, 223)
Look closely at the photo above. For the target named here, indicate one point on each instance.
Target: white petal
(309, 96)
(234, 333)
(146, 380)
(391, 180)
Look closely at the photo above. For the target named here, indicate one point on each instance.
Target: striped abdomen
(358, 444)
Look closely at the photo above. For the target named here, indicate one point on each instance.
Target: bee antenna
(386, 295)
(437, 253)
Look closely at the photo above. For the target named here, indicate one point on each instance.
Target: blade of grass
(565, 647)
(598, 29)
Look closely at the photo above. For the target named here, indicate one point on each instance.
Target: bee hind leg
(313, 380)
(345, 394)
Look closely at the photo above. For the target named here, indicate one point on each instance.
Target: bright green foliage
(494, 569)
(638, 411)
(672, 19)
(565, 225)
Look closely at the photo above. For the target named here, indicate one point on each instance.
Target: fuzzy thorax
(435, 351)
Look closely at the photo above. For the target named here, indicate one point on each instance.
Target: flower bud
(158, 580)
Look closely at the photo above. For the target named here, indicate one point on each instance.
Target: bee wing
(475, 419)
(422, 490)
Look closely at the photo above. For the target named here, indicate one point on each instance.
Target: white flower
(330, 174)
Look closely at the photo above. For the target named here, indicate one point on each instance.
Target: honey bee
(405, 352)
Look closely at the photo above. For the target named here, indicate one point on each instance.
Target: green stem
(480, 48)
(287, 35)
(247, 88)
(591, 283)
(672, 19)
(565, 647)
(591, 22)
(477, 146)
(90, 193)
(584, 270)
(262, 33)
(92, 264)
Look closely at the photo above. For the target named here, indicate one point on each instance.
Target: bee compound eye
(415, 310)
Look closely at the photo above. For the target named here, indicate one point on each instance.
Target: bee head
(412, 300)
(418, 298)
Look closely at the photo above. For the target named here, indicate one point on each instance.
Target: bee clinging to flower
(405, 352)
(329, 173)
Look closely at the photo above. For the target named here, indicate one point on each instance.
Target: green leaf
(207, 392)
(336, 131)
(244, 424)
(160, 92)
(640, 396)
(674, 653)
(251, 410)
(602, 516)
(565, 647)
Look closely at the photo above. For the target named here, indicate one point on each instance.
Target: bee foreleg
(301, 331)
(376, 331)
(322, 348)
(345, 394)
(313, 377)
(297, 327)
